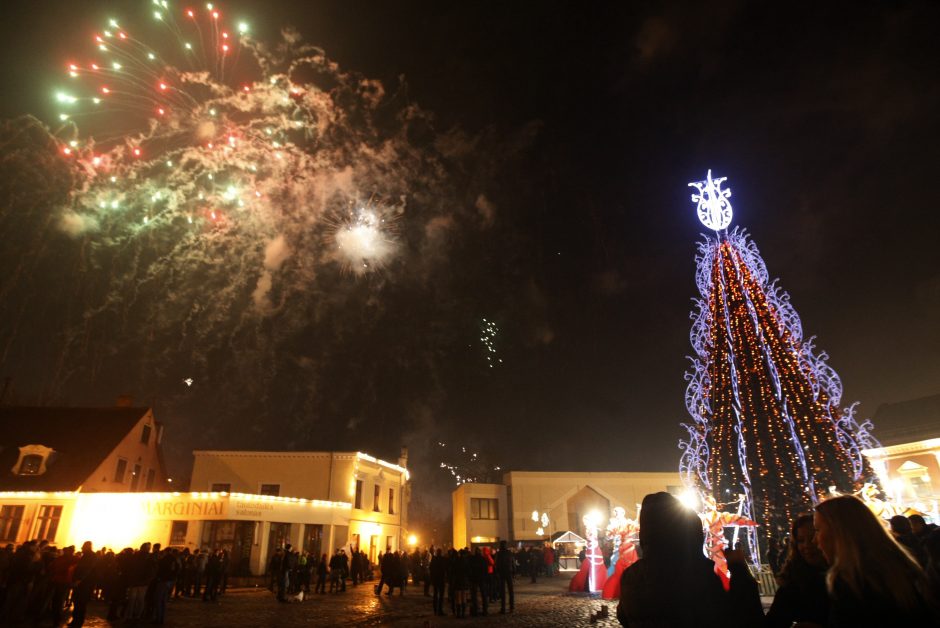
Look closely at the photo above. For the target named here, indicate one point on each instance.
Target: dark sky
(589, 120)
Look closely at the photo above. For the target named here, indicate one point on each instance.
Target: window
(221, 488)
(47, 522)
(484, 508)
(33, 460)
(375, 498)
(388, 543)
(10, 518)
(271, 489)
(151, 475)
(120, 471)
(178, 532)
(135, 478)
(145, 435)
(358, 503)
(391, 501)
(31, 464)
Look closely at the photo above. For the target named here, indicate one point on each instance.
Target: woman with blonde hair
(872, 580)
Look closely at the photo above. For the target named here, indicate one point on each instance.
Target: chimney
(124, 401)
(403, 458)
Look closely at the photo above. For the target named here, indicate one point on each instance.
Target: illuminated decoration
(765, 404)
(714, 208)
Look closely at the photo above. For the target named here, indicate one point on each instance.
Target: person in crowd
(437, 569)
(903, 533)
(460, 581)
(83, 584)
(505, 566)
(478, 575)
(404, 568)
(61, 578)
(388, 570)
(931, 546)
(213, 577)
(801, 596)
(872, 580)
(674, 584)
(490, 584)
(274, 568)
(199, 574)
(226, 569)
(337, 576)
(142, 572)
(920, 527)
(168, 570)
(548, 560)
(535, 562)
(322, 571)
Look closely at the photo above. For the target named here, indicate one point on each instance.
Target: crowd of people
(40, 583)
(843, 568)
(469, 581)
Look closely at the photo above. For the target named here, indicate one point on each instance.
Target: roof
(908, 421)
(81, 437)
(569, 537)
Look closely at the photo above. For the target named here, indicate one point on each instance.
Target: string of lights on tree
(765, 404)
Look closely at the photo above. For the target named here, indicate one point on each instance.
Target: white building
(488, 513)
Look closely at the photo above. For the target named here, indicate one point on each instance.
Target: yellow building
(376, 492)
(49, 454)
(513, 510)
(69, 475)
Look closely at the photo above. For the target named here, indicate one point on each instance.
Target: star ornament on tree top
(714, 208)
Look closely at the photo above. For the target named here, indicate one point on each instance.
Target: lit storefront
(250, 527)
(368, 509)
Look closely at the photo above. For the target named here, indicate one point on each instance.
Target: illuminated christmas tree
(767, 423)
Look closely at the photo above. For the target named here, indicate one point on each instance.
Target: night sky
(566, 220)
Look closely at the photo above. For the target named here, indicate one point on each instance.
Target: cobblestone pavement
(546, 603)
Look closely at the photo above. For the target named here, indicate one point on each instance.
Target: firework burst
(222, 192)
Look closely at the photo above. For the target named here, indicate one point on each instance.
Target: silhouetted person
(505, 567)
(438, 573)
(83, 584)
(674, 584)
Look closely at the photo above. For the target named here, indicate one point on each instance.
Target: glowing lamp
(412, 540)
(689, 499)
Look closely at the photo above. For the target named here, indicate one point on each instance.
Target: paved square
(546, 603)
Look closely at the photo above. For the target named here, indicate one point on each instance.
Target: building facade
(376, 492)
(551, 501)
(70, 475)
(908, 461)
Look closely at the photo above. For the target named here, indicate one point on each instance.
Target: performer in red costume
(715, 523)
(593, 574)
(623, 533)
